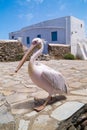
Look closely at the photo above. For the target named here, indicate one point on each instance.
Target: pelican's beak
(24, 57)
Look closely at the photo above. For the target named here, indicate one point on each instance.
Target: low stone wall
(58, 51)
(11, 50)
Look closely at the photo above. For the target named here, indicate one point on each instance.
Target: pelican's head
(37, 42)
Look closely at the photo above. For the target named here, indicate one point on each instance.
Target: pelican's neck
(36, 54)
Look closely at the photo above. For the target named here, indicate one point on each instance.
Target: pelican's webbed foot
(39, 108)
(44, 105)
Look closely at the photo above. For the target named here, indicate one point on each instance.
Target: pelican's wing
(55, 79)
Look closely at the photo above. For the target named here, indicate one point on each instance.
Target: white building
(64, 30)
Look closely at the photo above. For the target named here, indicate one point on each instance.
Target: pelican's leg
(43, 106)
(37, 99)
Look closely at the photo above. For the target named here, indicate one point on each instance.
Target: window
(54, 36)
(39, 35)
(28, 40)
(81, 25)
(12, 37)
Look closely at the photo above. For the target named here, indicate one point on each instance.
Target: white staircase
(82, 50)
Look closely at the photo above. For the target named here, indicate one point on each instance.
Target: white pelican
(43, 76)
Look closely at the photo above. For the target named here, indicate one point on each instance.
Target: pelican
(43, 76)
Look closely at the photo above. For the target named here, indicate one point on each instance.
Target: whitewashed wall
(45, 29)
(77, 33)
(69, 30)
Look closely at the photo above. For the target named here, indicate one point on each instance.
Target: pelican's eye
(34, 42)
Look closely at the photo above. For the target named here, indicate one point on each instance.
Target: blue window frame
(12, 37)
(39, 35)
(54, 36)
(28, 40)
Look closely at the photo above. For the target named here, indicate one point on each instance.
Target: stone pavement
(17, 94)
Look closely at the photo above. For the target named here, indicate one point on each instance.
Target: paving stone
(75, 84)
(57, 104)
(23, 125)
(83, 80)
(66, 110)
(19, 111)
(22, 107)
(7, 92)
(5, 116)
(8, 126)
(31, 114)
(41, 94)
(2, 99)
(17, 86)
(28, 83)
(80, 98)
(26, 90)
(22, 101)
(44, 122)
(48, 108)
(80, 92)
(16, 97)
(7, 121)
(9, 82)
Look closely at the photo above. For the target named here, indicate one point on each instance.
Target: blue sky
(16, 14)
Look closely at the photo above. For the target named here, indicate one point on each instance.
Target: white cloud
(23, 2)
(62, 7)
(20, 15)
(28, 0)
(39, 1)
(28, 16)
(85, 1)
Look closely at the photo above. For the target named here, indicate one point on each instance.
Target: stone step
(66, 110)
